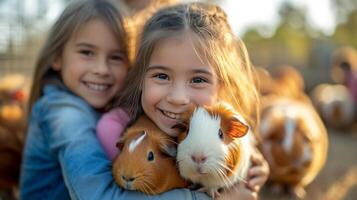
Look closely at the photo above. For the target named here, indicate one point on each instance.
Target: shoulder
(114, 120)
(61, 105)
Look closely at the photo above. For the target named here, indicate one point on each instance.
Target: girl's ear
(57, 64)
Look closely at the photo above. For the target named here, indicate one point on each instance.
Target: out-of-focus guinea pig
(335, 105)
(146, 160)
(294, 143)
(215, 151)
(11, 145)
(13, 122)
(13, 100)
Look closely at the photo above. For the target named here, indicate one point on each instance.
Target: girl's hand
(258, 173)
(239, 191)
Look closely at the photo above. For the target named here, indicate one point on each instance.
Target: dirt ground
(338, 178)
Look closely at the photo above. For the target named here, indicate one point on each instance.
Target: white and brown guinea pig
(294, 142)
(216, 149)
(146, 161)
(335, 105)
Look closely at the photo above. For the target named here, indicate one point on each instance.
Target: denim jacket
(63, 158)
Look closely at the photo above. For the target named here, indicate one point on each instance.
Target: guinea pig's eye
(150, 156)
(220, 134)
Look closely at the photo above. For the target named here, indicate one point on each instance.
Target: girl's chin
(171, 132)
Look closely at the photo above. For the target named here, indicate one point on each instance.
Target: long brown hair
(216, 44)
(69, 23)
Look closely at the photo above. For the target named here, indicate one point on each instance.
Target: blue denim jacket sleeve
(70, 128)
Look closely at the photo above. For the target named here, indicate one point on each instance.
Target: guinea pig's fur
(288, 81)
(13, 123)
(215, 151)
(146, 161)
(294, 143)
(11, 145)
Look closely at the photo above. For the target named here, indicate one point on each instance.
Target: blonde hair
(216, 44)
(69, 23)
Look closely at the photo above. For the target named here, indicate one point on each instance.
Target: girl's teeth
(171, 115)
(98, 87)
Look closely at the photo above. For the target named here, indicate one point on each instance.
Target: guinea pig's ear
(237, 128)
(186, 116)
(181, 136)
(120, 144)
(169, 148)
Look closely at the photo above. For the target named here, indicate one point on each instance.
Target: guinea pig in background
(335, 105)
(13, 122)
(216, 149)
(294, 142)
(146, 161)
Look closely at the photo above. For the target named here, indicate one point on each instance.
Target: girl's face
(175, 79)
(93, 65)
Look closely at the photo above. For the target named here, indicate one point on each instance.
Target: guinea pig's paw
(298, 192)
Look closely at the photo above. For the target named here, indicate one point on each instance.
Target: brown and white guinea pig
(335, 105)
(294, 142)
(216, 149)
(146, 161)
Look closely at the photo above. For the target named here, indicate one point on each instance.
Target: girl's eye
(86, 52)
(150, 156)
(161, 76)
(198, 80)
(117, 58)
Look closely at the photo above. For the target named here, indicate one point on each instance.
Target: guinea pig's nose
(128, 179)
(199, 159)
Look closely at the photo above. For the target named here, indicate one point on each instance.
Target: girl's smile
(97, 86)
(171, 115)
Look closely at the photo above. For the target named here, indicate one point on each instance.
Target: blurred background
(317, 38)
(300, 33)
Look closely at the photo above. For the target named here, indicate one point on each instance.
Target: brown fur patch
(230, 125)
(232, 160)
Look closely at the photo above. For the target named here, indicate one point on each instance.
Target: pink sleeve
(109, 129)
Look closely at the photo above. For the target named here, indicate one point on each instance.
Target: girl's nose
(178, 95)
(101, 68)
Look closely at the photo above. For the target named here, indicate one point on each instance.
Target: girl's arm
(109, 128)
(85, 167)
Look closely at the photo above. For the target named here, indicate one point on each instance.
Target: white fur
(203, 139)
(133, 144)
(307, 154)
(290, 126)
